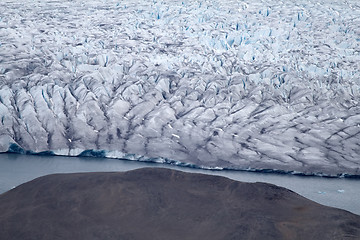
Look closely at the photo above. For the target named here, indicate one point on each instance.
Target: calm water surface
(17, 169)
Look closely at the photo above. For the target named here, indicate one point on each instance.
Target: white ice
(214, 83)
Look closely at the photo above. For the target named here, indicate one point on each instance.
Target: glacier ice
(218, 84)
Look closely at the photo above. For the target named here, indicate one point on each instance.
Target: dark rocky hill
(156, 203)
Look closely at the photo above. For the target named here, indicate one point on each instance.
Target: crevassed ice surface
(224, 84)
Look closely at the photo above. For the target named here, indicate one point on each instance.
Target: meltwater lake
(16, 169)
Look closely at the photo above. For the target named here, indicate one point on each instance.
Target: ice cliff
(218, 84)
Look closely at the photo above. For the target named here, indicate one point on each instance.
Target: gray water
(17, 169)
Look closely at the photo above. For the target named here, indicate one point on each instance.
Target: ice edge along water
(15, 149)
(219, 84)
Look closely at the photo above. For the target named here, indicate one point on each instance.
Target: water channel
(16, 169)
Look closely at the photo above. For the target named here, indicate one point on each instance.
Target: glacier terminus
(208, 83)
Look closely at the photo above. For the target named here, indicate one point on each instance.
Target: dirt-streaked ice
(218, 84)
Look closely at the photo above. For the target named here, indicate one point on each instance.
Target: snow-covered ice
(217, 84)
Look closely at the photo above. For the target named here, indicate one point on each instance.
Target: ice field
(213, 84)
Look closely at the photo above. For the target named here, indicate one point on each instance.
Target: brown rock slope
(164, 204)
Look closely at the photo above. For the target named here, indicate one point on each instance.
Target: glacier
(209, 83)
